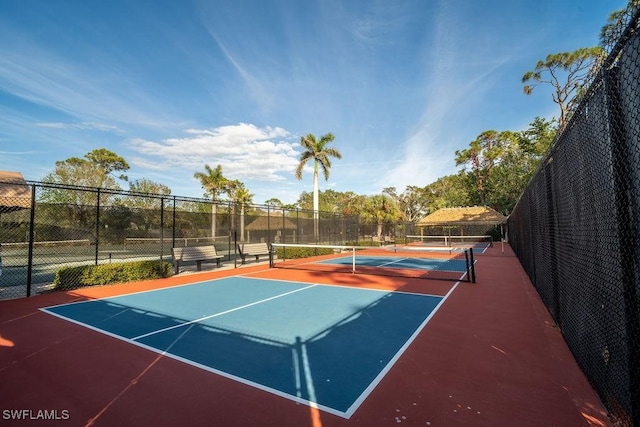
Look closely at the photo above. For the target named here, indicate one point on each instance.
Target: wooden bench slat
(253, 249)
(195, 253)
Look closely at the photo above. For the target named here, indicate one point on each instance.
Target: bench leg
(177, 267)
(199, 265)
(218, 262)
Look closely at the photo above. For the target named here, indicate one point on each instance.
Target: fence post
(233, 225)
(173, 226)
(268, 224)
(32, 218)
(161, 228)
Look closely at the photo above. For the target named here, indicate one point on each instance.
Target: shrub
(363, 243)
(294, 252)
(104, 274)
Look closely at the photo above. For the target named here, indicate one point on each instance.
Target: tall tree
(145, 185)
(275, 202)
(483, 154)
(96, 169)
(519, 160)
(567, 73)
(448, 192)
(412, 201)
(242, 198)
(380, 209)
(537, 139)
(147, 209)
(320, 153)
(617, 22)
(215, 184)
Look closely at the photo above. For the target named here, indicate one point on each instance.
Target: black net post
(472, 265)
(468, 266)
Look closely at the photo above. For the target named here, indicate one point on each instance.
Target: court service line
(221, 313)
(384, 264)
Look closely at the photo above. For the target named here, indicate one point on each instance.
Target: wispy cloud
(60, 84)
(82, 126)
(459, 76)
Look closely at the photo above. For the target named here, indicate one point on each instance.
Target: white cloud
(245, 151)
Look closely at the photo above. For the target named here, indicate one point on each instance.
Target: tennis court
(294, 347)
(278, 336)
(450, 263)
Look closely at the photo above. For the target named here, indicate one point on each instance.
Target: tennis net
(455, 264)
(452, 241)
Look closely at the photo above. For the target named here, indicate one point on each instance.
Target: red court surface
(490, 356)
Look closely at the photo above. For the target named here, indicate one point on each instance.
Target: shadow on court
(332, 366)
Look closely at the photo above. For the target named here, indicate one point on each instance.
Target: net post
(466, 261)
(235, 247)
(472, 266)
(272, 253)
(353, 259)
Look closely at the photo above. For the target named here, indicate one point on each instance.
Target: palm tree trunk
(316, 215)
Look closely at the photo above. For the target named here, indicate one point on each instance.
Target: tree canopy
(567, 73)
(94, 170)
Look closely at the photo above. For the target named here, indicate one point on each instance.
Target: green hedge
(104, 274)
(363, 243)
(294, 253)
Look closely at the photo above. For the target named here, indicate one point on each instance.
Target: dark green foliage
(295, 253)
(104, 274)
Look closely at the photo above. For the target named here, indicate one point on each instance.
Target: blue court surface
(328, 346)
(438, 264)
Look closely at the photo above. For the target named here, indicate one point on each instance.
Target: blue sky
(174, 85)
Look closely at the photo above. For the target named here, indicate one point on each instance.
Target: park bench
(254, 249)
(195, 253)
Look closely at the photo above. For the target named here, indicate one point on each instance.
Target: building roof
(274, 223)
(481, 215)
(15, 194)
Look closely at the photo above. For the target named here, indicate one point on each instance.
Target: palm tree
(214, 184)
(379, 209)
(240, 196)
(320, 153)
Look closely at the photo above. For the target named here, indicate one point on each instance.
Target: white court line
(221, 313)
(373, 384)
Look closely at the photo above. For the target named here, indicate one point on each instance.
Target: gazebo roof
(480, 215)
(15, 194)
(274, 223)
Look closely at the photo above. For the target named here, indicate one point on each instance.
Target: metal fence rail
(65, 226)
(576, 230)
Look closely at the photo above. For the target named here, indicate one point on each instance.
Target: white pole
(353, 268)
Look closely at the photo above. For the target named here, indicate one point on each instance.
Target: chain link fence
(45, 227)
(576, 230)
